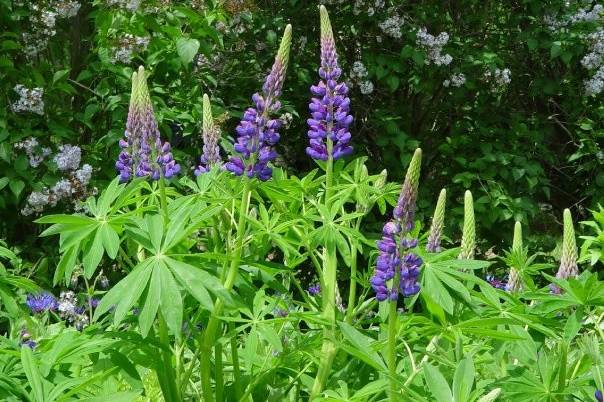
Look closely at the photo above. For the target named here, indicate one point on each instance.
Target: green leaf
(462, 264)
(3, 182)
(66, 265)
(197, 282)
(149, 310)
(125, 293)
(117, 397)
(270, 335)
(111, 240)
(155, 229)
(16, 187)
(187, 49)
(432, 285)
(31, 372)
(59, 75)
(437, 384)
(93, 255)
(463, 380)
(556, 49)
(170, 300)
(362, 346)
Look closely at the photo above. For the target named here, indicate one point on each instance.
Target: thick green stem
(219, 374)
(163, 200)
(172, 391)
(235, 360)
(209, 336)
(392, 332)
(328, 350)
(352, 291)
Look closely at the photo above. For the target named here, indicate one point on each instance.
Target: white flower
(433, 45)
(62, 189)
(69, 157)
(392, 26)
(366, 87)
(84, 174)
(30, 100)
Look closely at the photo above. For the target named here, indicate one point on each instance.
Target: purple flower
(328, 126)
(29, 343)
(258, 133)
(598, 395)
(394, 262)
(41, 302)
(93, 302)
(496, 282)
(314, 289)
(143, 153)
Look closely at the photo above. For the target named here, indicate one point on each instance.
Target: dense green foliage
(318, 279)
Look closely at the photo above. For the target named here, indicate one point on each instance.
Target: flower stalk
(468, 238)
(209, 336)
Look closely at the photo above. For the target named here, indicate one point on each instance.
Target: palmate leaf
(126, 292)
(90, 237)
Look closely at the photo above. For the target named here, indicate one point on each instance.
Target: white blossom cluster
(69, 311)
(130, 5)
(594, 60)
(67, 8)
(368, 6)
(286, 119)
(392, 26)
(595, 84)
(586, 15)
(72, 187)
(456, 80)
(498, 78)
(68, 158)
(34, 151)
(127, 46)
(434, 46)
(43, 19)
(358, 77)
(30, 100)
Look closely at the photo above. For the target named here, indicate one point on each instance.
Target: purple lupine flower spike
(258, 133)
(143, 153)
(599, 396)
(330, 120)
(395, 262)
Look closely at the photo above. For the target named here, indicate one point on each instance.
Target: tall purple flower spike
(395, 262)
(143, 153)
(258, 133)
(330, 120)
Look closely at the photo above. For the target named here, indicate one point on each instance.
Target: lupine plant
(237, 280)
